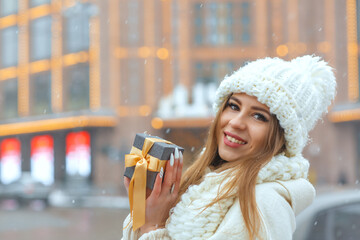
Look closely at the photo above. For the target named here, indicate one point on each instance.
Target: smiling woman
(251, 179)
(244, 127)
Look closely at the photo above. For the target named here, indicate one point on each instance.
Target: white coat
(281, 193)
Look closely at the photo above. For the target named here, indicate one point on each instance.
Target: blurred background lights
(120, 52)
(114, 68)
(282, 50)
(162, 53)
(145, 110)
(123, 111)
(324, 47)
(157, 123)
(301, 48)
(353, 48)
(144, 52)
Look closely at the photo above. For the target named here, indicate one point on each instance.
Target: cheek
(260, 136)
(224, 120)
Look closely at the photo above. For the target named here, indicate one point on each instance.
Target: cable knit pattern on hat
(297, 92)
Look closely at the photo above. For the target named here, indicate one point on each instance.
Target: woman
(250, 180)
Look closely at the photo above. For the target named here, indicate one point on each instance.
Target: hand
(163, 195)
(127, 183)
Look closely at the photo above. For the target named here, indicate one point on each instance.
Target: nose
(238, 122)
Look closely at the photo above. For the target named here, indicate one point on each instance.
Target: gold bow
(137, 188)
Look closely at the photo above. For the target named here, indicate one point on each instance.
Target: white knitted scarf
(189, 220)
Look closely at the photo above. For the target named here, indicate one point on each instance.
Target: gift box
(148, 155)
(159, 150)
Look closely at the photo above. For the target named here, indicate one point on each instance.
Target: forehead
(247, 99)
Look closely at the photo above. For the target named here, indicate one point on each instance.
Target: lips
(233, 140)
(234, 136)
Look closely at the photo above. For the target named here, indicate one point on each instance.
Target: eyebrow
(252, 107)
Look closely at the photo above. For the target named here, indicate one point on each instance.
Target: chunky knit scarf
(189, 220)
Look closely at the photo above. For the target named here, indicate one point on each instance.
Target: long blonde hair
(245, 171)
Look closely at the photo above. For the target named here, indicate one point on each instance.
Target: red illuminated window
(78, 156)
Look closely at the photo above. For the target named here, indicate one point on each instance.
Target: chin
(228, 157)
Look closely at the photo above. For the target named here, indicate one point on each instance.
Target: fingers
(171, 177)
(178, 174)
(157, 185)
(148, 192)
(171, 171)
(176, 166)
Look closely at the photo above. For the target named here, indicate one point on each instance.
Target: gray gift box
(159, 150)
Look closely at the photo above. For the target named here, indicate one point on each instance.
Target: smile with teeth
(231, 139)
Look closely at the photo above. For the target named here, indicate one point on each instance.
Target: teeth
(231, 139)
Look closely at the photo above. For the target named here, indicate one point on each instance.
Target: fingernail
(172, 159)
(161, 172)
(176, 153)
(181, 157)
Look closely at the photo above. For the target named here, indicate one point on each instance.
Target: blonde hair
(245, 171)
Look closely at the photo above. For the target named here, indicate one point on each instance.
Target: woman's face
(243, 127)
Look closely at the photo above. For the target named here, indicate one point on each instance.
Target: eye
(260, 117)
(233, 106)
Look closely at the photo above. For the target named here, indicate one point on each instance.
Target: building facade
(79, 78)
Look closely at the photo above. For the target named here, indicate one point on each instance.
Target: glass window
(198, 24)
(222, 23)
(132, 71)
(358, 69)
(346, 222)
(245, 37)
(131, 18)
(40, 93)
(318, 227)
(8, 99)
(245, 22)
(229, 23)
(41, 38)
(133, 23)
(358, 19)
(9, 47)
(78, 154)
(8, 7)
(338, 223)
(175, 23)
(210, 72)
(77, 29)
(10, 160)
(35, 3)
(42, 159)
(77, 87)
(199, 72)
(212, 23)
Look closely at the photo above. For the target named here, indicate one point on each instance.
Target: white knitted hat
(298, 92)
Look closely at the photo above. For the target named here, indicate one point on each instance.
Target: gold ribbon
(137, 188)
